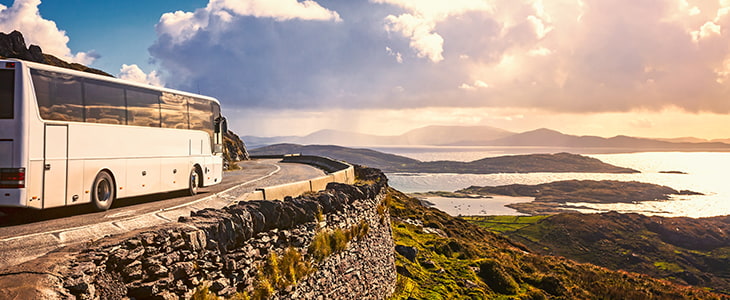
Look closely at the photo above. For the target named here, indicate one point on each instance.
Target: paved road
(31, 234)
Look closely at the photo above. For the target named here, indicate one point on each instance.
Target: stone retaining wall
(223, 249)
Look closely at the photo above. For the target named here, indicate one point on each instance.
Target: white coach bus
(69, 137)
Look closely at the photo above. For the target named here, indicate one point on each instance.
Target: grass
(280, 271)
(470, 262)
(326, 243)
(203, 293)
(667, 266)
(503, 224)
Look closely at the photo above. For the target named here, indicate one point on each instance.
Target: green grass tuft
(203, 293)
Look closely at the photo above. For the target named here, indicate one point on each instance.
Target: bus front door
(55, 165)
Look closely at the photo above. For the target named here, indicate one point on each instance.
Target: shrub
(280, 272)
(339, 240)
(320, 246)
(202, 293)
(497, 278)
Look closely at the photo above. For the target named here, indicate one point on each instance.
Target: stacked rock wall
(224, 249)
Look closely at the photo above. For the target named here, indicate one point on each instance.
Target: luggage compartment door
(56, 166)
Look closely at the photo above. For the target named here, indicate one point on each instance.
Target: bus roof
(46, 67)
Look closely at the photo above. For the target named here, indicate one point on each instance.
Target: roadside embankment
(228, 251)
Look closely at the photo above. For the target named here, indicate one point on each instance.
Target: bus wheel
(103, 192)
(194, 181)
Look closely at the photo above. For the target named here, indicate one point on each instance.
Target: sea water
(707, 173)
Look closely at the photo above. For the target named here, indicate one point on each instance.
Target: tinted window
(200, 115)
(7, 93)
(59, 96)
(216, 111)
(143, 108)
(174, 111)
(104, 103)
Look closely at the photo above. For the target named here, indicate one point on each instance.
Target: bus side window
(59, 96)
(143, 108)
(7, 94)
(174, 111)
(200, 111)
(104, 103)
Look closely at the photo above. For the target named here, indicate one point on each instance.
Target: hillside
(560, 162)
(681, 250)
(442, 257)
(365, 157)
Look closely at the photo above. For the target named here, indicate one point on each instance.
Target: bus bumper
(13, 198)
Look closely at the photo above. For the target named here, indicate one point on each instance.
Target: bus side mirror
(221, 125)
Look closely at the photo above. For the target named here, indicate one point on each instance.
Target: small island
(530, 163)
(673, 172)
(553, 197)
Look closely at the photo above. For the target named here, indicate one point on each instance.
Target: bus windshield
(7, 91)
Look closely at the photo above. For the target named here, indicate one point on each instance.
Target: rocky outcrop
(235, 149)
(224, 250)
(12, 45)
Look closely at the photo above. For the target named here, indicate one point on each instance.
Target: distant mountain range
(430, 135)
(556, 163)
(490, 136)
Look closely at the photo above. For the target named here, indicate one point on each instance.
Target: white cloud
(707, 30)
(280, 10)
(398, 56)
(134, 73)
(466, 86)
(723, 72)
(423, 39)
(25, 17)
(690, 10)
(540, 51)
(480, 84)
(617, 56)
(476, 85)
(181, 26)
(541, 30)
(419, 24)
(439, 10)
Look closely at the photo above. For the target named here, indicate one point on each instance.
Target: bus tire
(194, 182)
(103, 192)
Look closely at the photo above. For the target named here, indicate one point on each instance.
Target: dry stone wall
(223, 249)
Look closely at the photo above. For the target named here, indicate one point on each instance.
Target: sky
(650, 68)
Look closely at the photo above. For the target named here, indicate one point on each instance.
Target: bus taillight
(12, 178)
(10, 65)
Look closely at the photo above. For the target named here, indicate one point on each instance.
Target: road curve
(32, 234)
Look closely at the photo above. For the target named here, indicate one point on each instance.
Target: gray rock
(408, 252)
